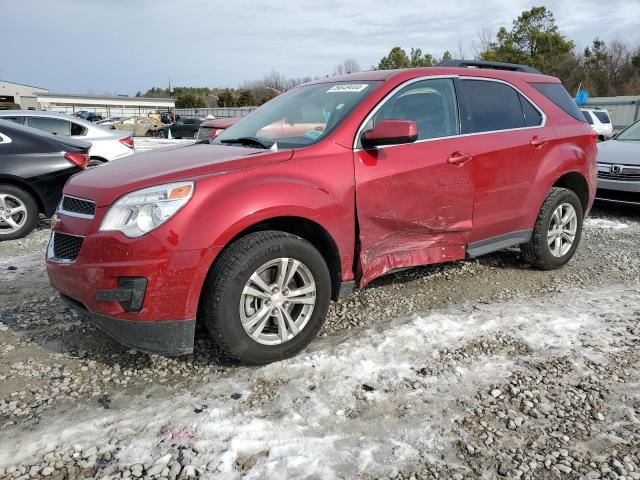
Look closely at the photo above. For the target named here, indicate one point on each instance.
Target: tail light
(127, 141)
(80, 159)
(215, 132)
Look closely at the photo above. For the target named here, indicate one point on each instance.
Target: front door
(415, 201)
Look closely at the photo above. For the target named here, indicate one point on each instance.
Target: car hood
(108, 182)
(615, 151)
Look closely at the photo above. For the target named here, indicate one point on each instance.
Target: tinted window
(532, 117)
(602, 116)
(189, 121)
(51, 125)
(587, 116)
(558, 95)
(77, 129)
(492, 106)
(19, 120)
(430, 103)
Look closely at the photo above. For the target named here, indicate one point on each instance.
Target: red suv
(255, 233)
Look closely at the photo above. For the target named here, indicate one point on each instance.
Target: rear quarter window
(559, 95)
(602, 116)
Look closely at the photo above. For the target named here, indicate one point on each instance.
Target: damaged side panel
(414, 207)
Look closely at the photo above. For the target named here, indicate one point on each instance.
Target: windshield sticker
(348, 87)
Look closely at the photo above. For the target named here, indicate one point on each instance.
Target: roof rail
(514, 67)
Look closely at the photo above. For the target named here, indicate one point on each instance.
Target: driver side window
(431, 104)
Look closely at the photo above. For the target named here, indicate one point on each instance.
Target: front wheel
(557, 231)
(266, 297)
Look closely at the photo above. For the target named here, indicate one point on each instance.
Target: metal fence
(622, 110)
(216, 112)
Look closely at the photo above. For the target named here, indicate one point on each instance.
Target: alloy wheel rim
(562, 230)
(13, 214)
(277, 301)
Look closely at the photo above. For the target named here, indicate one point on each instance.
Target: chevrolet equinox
(324, 188)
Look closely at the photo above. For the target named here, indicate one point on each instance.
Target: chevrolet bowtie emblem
(55, 221)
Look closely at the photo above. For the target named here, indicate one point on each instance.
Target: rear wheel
(557, 231)
(18, 212)
(95, 162)
(162, 134)
(266, 297)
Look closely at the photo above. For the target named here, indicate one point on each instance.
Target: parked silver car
(106, 144)
(619, 167)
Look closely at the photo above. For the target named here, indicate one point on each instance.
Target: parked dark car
(183, 128)
(210, 129)
(90, 116)
(34, 167)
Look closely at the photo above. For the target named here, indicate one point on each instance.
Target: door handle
(457, 158)
(539, 141)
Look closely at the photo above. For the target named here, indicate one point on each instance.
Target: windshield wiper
(250, 141)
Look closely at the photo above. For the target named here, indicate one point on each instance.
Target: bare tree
(483, 42)
(350, 65)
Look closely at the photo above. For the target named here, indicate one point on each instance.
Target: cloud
(124, 45)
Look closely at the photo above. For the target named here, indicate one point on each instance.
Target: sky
(123, 46)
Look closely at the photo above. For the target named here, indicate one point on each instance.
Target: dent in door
(408, 219)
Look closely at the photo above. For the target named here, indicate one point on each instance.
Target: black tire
(537, 252)
(162, 134)
(220, 299)
(31, 211)
(94, 162)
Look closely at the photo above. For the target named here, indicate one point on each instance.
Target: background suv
(256, 232)
(599, 121)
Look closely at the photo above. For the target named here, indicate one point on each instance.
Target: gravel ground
(477, 369)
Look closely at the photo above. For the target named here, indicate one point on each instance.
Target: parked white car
(106, 144)
(599, 120)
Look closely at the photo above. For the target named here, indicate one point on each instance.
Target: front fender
(226, 205)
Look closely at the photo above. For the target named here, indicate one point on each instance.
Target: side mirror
(390, 132)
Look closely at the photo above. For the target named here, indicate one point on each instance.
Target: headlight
(141, 211)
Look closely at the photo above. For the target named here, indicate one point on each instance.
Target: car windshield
(630, 134)
(300, 117)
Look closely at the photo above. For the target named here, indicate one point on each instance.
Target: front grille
(203, 133)
(627, 177)
(66, 247)
(626, 173)
(79, 206)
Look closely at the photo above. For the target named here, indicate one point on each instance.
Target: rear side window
(532, 117)
(492, 106)
(77, 129)
(602, 116)
(51, 125)
(19, 120)
(559, 95)
(587, 116)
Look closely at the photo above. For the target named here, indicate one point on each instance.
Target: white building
(107, 106)
(23, 95)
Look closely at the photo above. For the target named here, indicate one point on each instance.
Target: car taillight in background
(80, 159)
(215, 132)
(128, 141)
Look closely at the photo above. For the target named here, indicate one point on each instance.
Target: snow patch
(318, 420)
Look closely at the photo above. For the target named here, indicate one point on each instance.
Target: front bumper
(165, 338)
(163, 321)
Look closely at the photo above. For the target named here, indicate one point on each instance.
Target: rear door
(414, 201)
(510, 139)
